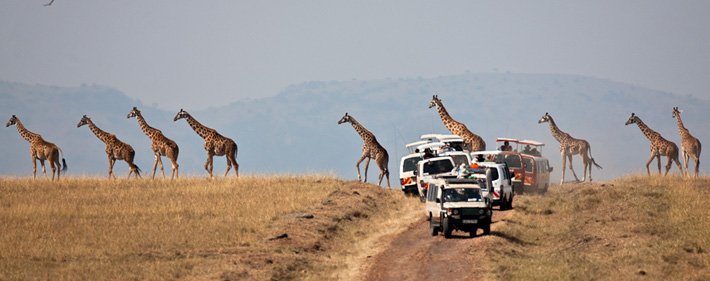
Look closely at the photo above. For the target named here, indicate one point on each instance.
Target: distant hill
(296, 131)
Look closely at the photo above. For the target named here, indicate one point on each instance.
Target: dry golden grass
(95, 229)
(637, 227)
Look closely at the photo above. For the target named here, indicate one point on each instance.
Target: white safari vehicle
(428, 168)
(496, 176)
(457, 204)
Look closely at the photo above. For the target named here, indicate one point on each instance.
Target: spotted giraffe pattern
(115, 149)
(689, 146)
(215, 144)
(472, 141)
(570, 146)
(161, 145)
(371, 149)
(40, 150)
(659, 146)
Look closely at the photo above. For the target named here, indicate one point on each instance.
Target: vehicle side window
(410, 164)
(494, 174)
(431, 194)
(528, 164)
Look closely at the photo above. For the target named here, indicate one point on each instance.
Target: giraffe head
(84, 120)
(676, 112)
(632, 120)
(181, 114)
(435, 101)
(13, 121)
(135, 112)
(346, 118)
(545, 118)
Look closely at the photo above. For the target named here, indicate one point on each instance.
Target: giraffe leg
(34, 168)
(569, 156)
(658, 159)
(357, 165)
(564, 165)
(43, 170)
(209, 165)
(367, 164)
(697, 166)
(111, 161)
(233, 159)
(54, 168)
(679, 166)
(686, 158)
(160, 161)
(669, 165)
(155, 164)
(229, 166)
(648, 171)
(585, 164)
(175, 167)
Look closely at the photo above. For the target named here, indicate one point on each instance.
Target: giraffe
(40, 150)
(370, 150)
(659, 146)
(689, 145)
(471, 140)
(570, 146)
(115, 149)
(161, 145)
(215, 144)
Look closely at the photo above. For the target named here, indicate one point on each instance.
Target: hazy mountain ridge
(296, 130)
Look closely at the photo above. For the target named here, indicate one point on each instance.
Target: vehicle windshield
(438, 167)
(410, 164)
(462, 195)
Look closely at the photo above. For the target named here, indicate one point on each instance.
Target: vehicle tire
(434, 229)
(504, 203)
(473, 232)
(446, 228)
(487, 228)
(510, 203)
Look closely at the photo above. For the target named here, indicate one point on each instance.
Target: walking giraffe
(471, 140)
(40, 150)
(115, 149)
(215, 144)
(659, 146)
(371, 149)
(689, 145)
(161, 145)
(570, 146)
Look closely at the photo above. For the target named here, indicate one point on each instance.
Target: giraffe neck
(556, 132)
(364, 133)
(200, 129)
(650, 134)
(26, 134)
(147, 129)
(445, 117)
(103, 136)
(681, 127)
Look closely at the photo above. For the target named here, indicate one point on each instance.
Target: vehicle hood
(465, 204)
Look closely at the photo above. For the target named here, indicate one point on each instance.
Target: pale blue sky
(196, 54)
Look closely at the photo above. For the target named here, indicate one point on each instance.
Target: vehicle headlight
(456, 211)
(481, 211)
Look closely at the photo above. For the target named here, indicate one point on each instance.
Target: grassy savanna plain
(633, 228)
(636, 227)
(191, 228)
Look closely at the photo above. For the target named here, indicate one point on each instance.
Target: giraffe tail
(64, 161)
(592, 159)
(138, 170)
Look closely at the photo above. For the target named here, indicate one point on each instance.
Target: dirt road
(416, 255)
